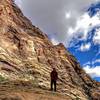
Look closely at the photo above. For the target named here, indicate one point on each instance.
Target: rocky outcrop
(26, 54)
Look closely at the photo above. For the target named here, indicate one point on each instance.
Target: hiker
(54, 77)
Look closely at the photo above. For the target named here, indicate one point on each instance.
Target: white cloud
(18, 2)
(96, 61)
(54, 41)
(88, 63)
(57, 16)
(71, 31)
(85, 47)
(84, 24)
(68, 15)
(93, 72)
(96, 38)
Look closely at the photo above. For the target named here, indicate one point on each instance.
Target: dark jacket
(54, 75)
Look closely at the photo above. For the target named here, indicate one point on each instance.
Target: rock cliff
(26, 54)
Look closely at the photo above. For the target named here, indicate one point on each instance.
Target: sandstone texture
(27, 55)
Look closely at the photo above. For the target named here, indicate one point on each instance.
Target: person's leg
(51, 85)
(55, 86)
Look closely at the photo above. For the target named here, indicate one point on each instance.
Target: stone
(26, 54)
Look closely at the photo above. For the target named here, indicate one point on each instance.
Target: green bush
(2, 78)
(77, 98)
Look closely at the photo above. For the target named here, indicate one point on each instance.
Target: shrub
(2, 78)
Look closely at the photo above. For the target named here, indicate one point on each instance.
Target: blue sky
(87, 50)
(75, 24)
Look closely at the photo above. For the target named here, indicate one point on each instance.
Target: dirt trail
(25, 93)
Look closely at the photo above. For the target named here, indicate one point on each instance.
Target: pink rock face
(26, 53)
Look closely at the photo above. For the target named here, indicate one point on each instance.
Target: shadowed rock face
(27, 54)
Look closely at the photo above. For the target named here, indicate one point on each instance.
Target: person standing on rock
(54, 77)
